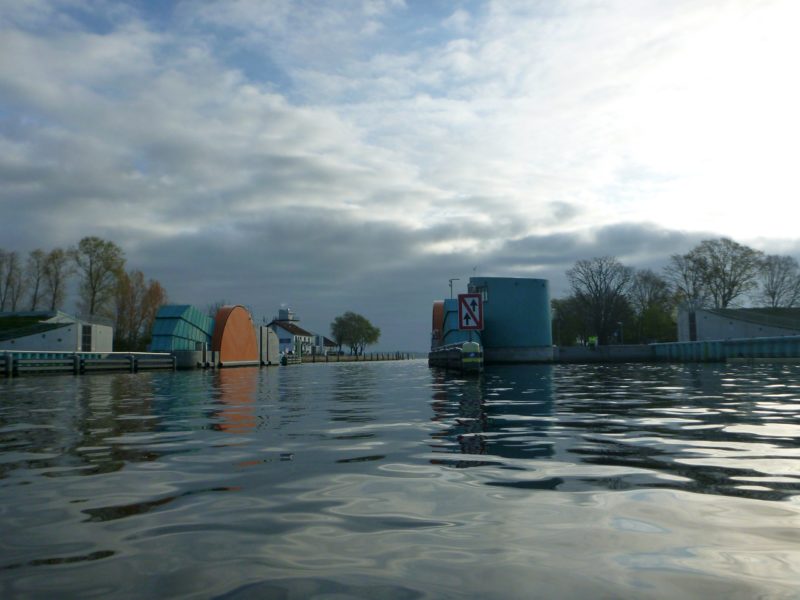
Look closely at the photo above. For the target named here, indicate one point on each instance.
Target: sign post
(470, 312)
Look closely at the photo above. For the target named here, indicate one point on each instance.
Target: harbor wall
(600, 354)
(721, 350)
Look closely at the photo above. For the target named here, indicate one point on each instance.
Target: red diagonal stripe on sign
(469, 310)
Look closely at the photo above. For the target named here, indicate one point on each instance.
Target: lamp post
(451, 285)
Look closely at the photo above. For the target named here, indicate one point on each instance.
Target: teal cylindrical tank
(516, 317)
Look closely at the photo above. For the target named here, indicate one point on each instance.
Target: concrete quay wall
(603, 354)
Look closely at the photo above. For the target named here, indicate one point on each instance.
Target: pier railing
(14, 363)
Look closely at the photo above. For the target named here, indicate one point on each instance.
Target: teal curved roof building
(181, 327)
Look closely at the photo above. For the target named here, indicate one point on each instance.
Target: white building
(324, 345)
(52, 331)
(733, 323)
(292, 338)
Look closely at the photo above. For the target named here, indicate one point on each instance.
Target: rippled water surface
(391, 480)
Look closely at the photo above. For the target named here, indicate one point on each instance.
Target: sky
(358, 154)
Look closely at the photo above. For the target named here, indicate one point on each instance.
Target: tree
(652, 301)
(136, 305)
(99, 263)
(570, 321)
(687, 274)
(354, 331)
(780, 281)
(600, 285)
(3, 285)
(155, 296)
(34, 272)
(128, 300)
(729, 269)
(339, 330)
(213, 308)
(56, 271)
(368, 335)
(12, 282)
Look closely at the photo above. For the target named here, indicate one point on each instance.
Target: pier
(13, 363)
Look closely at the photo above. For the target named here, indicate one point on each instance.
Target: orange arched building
(234, 337)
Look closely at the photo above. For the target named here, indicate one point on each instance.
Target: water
(389, 480)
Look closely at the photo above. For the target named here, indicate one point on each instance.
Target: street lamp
(451, 285)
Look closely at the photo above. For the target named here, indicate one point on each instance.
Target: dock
(14, 363)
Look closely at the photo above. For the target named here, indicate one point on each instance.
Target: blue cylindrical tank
(516, 318)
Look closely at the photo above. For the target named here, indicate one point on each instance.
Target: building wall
(288, 341)
(181, 327)
(235, 336)
(711, 326)
(102, 338)
(268, 346)
(63, 339)
(68, 338)
(516, 312)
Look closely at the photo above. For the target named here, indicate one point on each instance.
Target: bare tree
(12, 282)
(686, 273)
(213, 307)
(57, 270)
(99, 263)
(780, 281)
(730, 269)
(601, 285)
(3, 278)
(653, 301)
(647, 290)
(34, 272)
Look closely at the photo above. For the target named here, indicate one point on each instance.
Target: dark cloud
(322, 265)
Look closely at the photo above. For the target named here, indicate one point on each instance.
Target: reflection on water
(494, 416)
(391, 480)
(237, 397)
(704, 429)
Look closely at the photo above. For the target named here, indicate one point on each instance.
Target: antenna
(451, 285)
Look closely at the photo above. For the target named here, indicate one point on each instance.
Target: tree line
(616, 303)
(40, 282)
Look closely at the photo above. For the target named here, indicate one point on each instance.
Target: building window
(483, 290)
(86, 341)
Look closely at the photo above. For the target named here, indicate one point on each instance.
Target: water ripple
(392, 480)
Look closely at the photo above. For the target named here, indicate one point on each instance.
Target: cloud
(357, 155)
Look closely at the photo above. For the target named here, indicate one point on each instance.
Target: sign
(470, 312)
